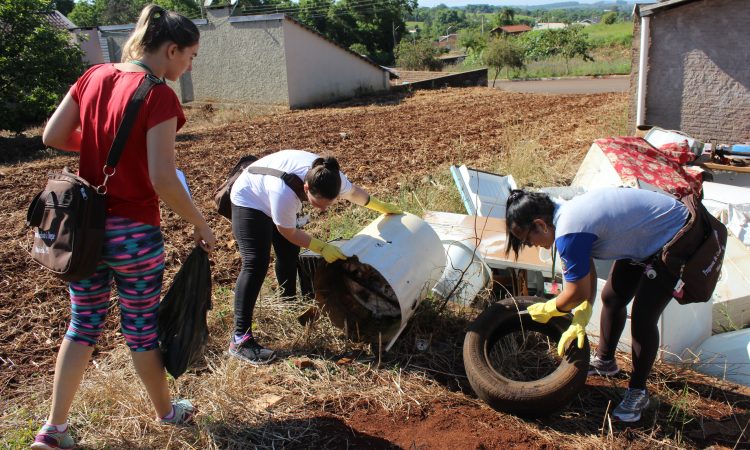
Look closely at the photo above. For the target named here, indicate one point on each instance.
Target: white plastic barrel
(396, 260)
(465, 273)
(726, 356)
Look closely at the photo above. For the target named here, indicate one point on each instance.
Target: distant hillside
(576, 5)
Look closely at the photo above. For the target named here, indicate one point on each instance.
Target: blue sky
(431, 3)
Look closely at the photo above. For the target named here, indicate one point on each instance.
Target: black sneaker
(249, 350)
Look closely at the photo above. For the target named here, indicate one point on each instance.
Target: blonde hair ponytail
(133, 48)
(156, 26)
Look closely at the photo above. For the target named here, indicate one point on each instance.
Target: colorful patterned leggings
(133, 255)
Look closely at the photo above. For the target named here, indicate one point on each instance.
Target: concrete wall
(699, 77)
(88, 39)
(267, 60)
(320, 72)
(633, 91)
(241, 59)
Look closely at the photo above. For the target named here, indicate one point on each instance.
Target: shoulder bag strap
(123, 131)
(291, 180)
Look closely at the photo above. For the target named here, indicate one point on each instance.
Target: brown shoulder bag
(695, 254)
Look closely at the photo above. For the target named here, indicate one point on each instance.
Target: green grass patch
(559, 67)
(19, 436)
(607, 61)
(603, 35)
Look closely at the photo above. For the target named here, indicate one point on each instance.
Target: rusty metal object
(357, 299)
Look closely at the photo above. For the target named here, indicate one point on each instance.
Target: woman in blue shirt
(629, 226)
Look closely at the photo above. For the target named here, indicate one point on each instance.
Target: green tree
(378, 24)
(64, 6)
(38, 64)
(360, 49)
(567, 42)
(505, 16)
(574, 44)
(90, 13)
(418, 55)
(472, 40)
(504, 53)
(447, 20)
(86, 14)
(609, 18)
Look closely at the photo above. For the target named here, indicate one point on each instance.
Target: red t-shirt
(102, 94)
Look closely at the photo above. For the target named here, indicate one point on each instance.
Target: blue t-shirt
(614, 223)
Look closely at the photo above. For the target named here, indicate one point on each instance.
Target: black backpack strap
(290, 179)
(128, 119)
(34, 213)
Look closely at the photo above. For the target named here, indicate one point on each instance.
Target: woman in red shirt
(163, 43)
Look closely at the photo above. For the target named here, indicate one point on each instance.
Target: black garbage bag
(183, 332)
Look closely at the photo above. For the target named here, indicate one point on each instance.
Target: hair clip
(515, 195)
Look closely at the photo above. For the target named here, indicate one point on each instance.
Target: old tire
(531, 398)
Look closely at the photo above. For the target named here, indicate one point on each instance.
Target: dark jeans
(626, 281)
(255, 232)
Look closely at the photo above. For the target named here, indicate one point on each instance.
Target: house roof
(512, 29)
(650, 9)
(57, 19)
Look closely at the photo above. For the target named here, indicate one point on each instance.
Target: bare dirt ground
(382, 144)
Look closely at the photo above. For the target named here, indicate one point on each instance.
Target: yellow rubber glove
(581, 317)
(383, 207)
(329, 252)
(542, 312)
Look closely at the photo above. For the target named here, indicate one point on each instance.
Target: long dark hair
(156, 26)
(521, 209)
(323, 179)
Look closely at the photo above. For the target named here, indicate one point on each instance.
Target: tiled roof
(57, 19)
(515, 28)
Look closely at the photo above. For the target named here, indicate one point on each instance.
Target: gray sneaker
(631, 407)
(603, 367)
(183, 413)
(250, 351)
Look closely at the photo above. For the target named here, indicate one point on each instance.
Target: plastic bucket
(465, 273)
(394, 262)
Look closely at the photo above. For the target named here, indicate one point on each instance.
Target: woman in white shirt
(264, 214)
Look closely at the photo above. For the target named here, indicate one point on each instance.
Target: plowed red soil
(379, 143)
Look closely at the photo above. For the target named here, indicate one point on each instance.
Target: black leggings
(628, 280)
(255, 232)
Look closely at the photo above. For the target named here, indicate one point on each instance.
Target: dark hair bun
(324, 178)
(330, 163)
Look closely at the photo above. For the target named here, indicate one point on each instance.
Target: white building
(266, 59)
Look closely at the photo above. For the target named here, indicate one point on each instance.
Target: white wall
(241, 59)
(320, 72)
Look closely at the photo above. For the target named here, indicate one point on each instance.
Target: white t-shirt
(270, 195)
